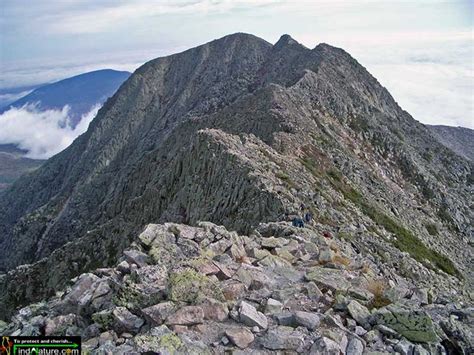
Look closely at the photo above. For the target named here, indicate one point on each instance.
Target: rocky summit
(335, 222)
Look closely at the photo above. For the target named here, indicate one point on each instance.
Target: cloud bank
(41, 133)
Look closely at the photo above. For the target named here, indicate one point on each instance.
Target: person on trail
(297, 222)
(308, 217)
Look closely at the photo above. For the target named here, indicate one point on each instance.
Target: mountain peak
(286, 40)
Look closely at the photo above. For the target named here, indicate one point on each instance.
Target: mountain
(459, 139)
(80, 92)
(245, 134)
(13, 164)
(10, 95)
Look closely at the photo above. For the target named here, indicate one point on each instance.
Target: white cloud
(7, 98)
(41, 133)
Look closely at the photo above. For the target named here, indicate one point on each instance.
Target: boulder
(415, 325)
(126, 321)
(359, 313)
(188, 315)
(307, 319)
(251, 317)
(313, 291)
(325, 346)
(158, 313)
(241, 337)
(69, 324)
(272, 242)
(283, 338)
(420, 295)
(214, 310)
(354, 347)
(273, 306)
(285, 318)
(136, 257)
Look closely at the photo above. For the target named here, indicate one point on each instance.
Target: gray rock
(313, 291)
(404, 347)
(240, 337)
(419, 350)
(420, 295)
(354, 347)
(157, 314)
(136, 257)
(283, 338)
(388, 331)
(251, 317)
(325, 255)
(273, 306)
(188, 315)
(123, 267)
(107, 337)
(325, 346)
(214, 310)
(273, 242)
(359, 313)
(126, 321)
(285, 318)
(307, 319)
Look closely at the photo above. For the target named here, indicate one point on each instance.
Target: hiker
(308, 217)
(297, 222)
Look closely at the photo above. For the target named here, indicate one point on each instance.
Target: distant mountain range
(79, 92)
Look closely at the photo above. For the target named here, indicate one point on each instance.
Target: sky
(422, 51)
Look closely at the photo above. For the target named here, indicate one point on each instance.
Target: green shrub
(405, 240)
(432, 229)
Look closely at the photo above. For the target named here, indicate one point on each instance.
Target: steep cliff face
(239, 132)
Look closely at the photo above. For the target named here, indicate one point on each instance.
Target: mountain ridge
(267, 129)
(458, 139)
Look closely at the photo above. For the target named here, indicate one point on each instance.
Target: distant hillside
(80, 92)
(13, 164)
(458, 139)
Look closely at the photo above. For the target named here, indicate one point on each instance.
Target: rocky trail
(281, 289)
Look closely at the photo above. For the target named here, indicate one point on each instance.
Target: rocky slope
(241, 132)
(204, 290)
(459, 139)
